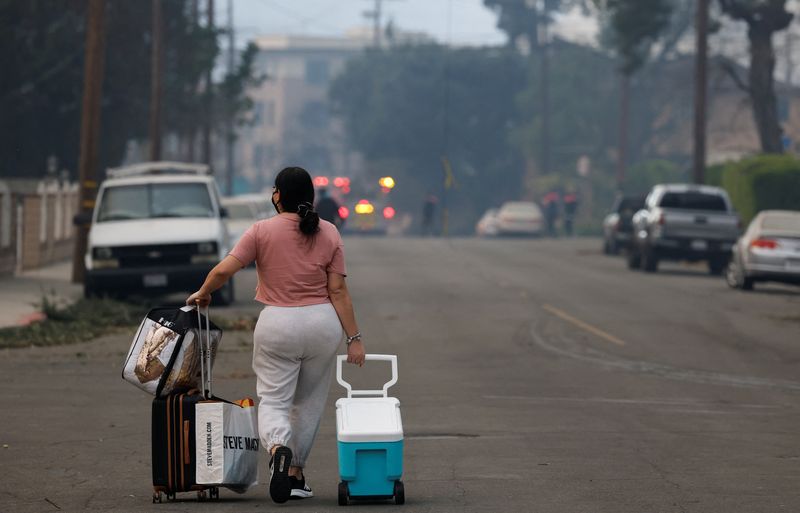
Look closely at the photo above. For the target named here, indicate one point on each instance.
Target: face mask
(275, 205)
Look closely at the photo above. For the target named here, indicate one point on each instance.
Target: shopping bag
(226, 444)
(165, 353)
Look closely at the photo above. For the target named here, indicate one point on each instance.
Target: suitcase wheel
(214, 493)
(201, 495)
(344, 494)
(171, 496)
(157, 497)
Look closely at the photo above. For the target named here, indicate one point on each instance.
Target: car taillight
(388, 212)
(343, 212)
(764, 244)
(662, 219)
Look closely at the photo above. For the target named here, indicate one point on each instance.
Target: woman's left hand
(356, 353)
(199, 298)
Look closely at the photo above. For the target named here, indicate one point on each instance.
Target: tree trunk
(762, 90)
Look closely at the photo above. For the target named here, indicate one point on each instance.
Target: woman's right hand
(355, 353)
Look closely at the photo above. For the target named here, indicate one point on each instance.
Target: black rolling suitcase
(173, 434)
(174, 450)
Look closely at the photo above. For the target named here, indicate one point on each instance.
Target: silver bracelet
(355, 337)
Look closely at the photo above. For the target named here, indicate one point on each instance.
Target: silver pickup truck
(684, 222)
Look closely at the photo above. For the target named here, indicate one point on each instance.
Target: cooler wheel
(399, 493)
(344, 494)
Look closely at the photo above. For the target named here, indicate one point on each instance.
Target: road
(535, 375)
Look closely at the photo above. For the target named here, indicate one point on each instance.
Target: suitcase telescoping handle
(205, 353)
(342, 358)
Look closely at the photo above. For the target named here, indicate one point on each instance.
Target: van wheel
(634, 258)
(225, 295)
(649, 261)
(90, 292)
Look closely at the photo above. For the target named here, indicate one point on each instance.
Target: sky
(459, 22)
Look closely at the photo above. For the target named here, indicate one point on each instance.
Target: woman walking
(301, 280)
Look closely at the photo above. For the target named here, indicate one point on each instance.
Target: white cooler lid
(368, 419)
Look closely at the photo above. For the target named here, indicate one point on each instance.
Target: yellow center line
(583, 325)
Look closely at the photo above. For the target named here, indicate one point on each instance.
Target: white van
(157, 227)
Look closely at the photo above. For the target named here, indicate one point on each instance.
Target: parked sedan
(768, 251)
(519, 218)
(487, 226)
(617, 226)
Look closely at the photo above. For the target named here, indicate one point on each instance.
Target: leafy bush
(81, 321)
(87, 319)
(762, 182)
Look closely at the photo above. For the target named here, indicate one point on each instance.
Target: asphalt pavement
(535, 376)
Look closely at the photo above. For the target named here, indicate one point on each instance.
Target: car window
(782, 223)
(694, 201)
(239, 211)
(630, 204)
(158, 200)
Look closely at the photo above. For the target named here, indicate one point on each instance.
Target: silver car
(768, 251)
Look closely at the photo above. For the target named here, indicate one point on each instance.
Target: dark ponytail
(297, 196)
(309, 219)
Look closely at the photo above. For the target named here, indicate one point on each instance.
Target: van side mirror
(82, 219)
(223, 212)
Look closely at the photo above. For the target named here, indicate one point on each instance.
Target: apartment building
(292, 120)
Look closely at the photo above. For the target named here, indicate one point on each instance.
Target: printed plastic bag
(165, 354)
(226, 441)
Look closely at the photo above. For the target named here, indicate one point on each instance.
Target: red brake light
(764, 244)
(343, 212)
(321, 181)
(662, 219)
(388, 212)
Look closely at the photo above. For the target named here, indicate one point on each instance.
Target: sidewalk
(21, 295)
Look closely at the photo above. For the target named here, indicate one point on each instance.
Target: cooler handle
(342, 358)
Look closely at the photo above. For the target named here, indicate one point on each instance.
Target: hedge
(760, 183)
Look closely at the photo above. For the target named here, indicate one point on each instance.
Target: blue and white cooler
(369, 431)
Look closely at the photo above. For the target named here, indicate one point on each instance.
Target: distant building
(292, 121)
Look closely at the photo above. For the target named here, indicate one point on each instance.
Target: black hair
(297, 196)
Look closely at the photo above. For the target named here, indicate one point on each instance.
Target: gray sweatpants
(294, 351)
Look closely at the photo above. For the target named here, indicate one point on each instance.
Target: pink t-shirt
(292, 268)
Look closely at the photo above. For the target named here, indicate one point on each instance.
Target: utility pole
(192, 128)
(622, 135)
(376, 15)
(700, 90)
(544, 55)
(209, 96)
(376, 27)
(90, 128)
(157, 68)
(230, 137)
